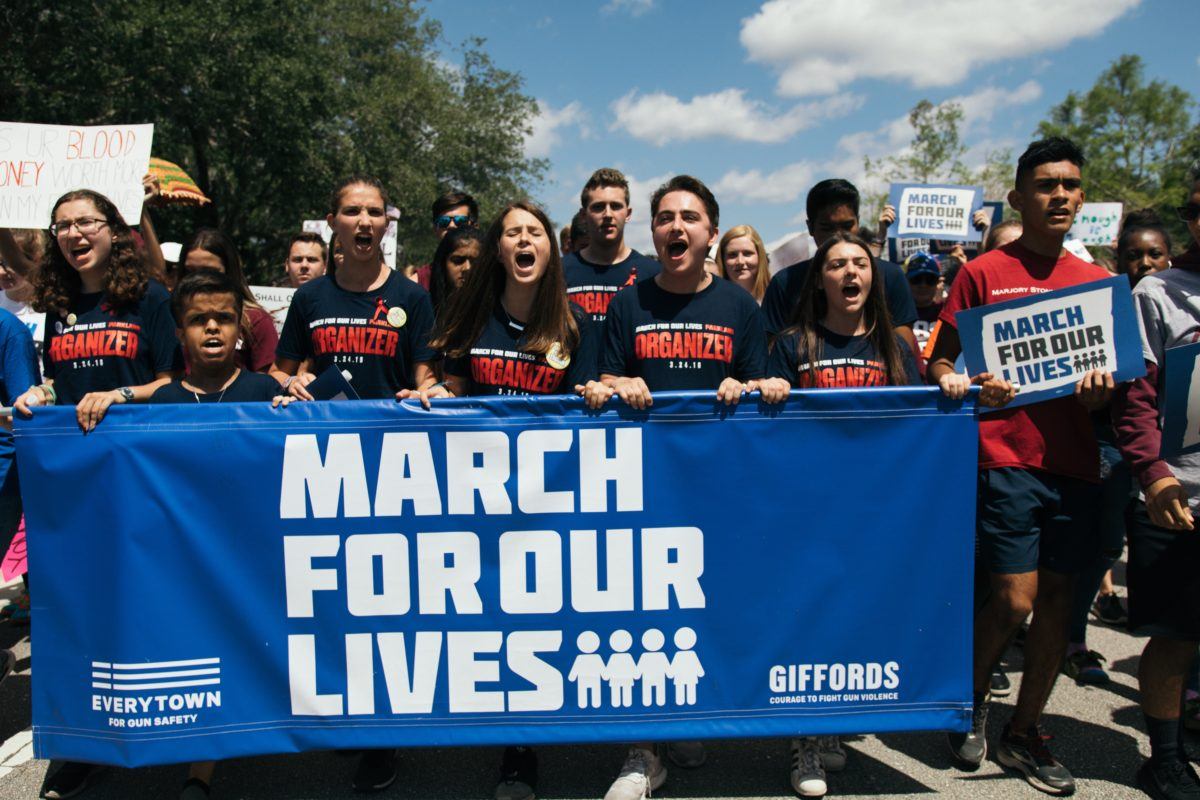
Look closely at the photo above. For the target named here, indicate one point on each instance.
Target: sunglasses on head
(459, 220)
(1189, 212)
(925, 278)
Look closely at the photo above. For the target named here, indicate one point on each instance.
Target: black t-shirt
(247, 387)
(96, 349)
(376, 336)
(846, 362)
(593, 286)
(498, 365)
(684, 341)
(784, 291)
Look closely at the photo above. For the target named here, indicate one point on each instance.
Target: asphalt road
(1098, 735)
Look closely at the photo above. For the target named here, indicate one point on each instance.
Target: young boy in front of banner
(1164, 553)
(683, 219)
(208, 308)
(1039, 466)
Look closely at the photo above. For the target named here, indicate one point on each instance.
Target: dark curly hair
(126, 277)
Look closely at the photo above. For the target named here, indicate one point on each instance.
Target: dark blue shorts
(1164, 579)
(1027, 519)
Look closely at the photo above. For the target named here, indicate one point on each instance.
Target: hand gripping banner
(226, 580)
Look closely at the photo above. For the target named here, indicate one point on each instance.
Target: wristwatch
(126, 393)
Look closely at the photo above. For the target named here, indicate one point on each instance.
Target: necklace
(224, 388)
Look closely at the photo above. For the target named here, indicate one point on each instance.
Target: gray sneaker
(642, 773)
(970, 749)
(833, 756)
(808, 776)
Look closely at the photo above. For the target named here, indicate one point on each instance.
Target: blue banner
(1046, 342)
(226, 580)
(935, 211)
(1181, 403)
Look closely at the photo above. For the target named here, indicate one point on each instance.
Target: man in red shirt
(1038, 466)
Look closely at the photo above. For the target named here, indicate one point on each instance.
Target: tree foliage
(267, 103)
(1138, 137)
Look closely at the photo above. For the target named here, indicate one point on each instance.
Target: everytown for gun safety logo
(156, 694)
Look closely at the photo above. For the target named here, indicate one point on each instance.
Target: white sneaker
(642, 773)
(808, 776)
(833, 757)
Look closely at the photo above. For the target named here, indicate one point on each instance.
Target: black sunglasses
(459, 220)
(926, 278)
(1189, 212)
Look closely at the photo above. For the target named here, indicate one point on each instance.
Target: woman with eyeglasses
(110, 336)
(110, 339)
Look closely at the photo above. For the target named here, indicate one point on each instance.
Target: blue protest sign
(1046, 342)
(928, 211)
(1181, 403)
(227, 580)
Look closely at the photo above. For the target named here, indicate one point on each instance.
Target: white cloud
(634, 8)
(791, 182)
(921, 42)
(661, 118)
(547, 128)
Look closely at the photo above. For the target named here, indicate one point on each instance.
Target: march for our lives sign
(1181, 410)
(229, 580)
(1047, 342)
(935, 212)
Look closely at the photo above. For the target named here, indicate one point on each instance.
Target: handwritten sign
(1097, 223)
(1181, 402)
(320, 226)
(1047, 342)
(40, 163)
(16, 562)
(935, 211)
(275, 300)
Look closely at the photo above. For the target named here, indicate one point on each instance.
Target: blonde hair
(764, 273)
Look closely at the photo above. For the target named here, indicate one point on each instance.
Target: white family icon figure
(621, 671)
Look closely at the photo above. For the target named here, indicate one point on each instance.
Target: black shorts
(1164, 579)
(1027, 519)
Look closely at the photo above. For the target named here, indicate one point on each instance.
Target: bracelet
(288, 382)
(49, 393)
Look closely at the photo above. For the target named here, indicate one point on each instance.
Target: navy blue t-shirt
(784, 291)
(497, 364)
(361, 332)
(96, 349)
(684, 341)
(18, 372)
(593, 286)
(846, 362)
(247, 387)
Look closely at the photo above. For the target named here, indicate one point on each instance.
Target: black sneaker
(1000, 685)
(1029, 754)
(1086, 667)
(376, 770)
(518, 774)
(970, 749)
(72, 778)
(1169, 780)
(1109, 609)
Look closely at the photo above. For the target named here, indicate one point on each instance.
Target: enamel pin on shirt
(396, 317)
(556, 358)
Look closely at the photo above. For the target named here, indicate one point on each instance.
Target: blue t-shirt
(844, 362)
(684, 341)
(593, 286)
(783, 292)
(247, 387)
(94, 348)
(377, 336)
(18, 371)
(497, 363)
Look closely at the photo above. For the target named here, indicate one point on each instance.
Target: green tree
(266, 103)
(1138, 137)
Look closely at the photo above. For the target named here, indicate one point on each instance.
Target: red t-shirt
(1057, 435)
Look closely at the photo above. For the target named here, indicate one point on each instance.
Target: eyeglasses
(458, 220)
(86, 226)
(1189, 212)
(927, 279)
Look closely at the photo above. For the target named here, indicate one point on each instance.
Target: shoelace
(806, 758)
(1179, 774)
(1035, 743)
(979, 717)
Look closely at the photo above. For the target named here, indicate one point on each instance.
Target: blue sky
(762, 99)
